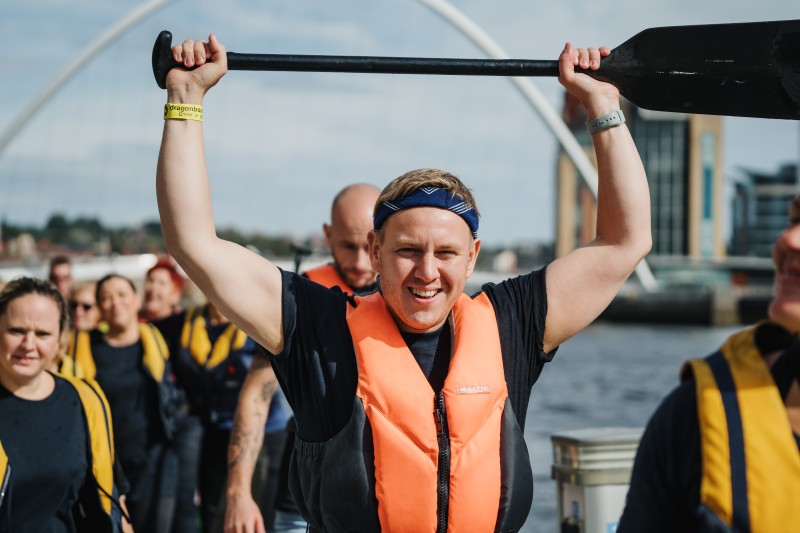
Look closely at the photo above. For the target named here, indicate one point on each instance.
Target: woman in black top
(131, 363)
(55, 477)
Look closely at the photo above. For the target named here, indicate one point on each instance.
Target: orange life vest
(328, 276)
(417, 487)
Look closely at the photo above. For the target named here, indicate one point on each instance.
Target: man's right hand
(208, 61)
(243, 515)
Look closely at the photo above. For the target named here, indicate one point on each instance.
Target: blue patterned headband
(429, 197)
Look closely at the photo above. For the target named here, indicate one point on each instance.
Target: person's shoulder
(87, 388)
(64, 382)
(96, 336)
(681, 399)
(517, 292)
(674, 423)
(304, 288)
(292, 279)
(69, 389)
(171, 321)
(171, 326)
(513, 282)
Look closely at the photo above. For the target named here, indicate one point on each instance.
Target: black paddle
(745, 69)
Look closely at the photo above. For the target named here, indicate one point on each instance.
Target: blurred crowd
(169, 370)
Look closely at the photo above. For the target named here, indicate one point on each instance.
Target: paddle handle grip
(163, 63)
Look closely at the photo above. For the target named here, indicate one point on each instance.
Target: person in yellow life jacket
(722, 451)
(131, 363)
(211, 358)
(410, 402)
(84, 316)
(162, 291)
(56, 450)
(83, 311)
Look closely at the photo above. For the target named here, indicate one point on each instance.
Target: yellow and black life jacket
(156, 352)
(194, 339)
(328, 276)
(5, 475)
(155, 361)
(750, 460)
(68, 367)
(212, 373)
(101, 438)
(101, 434)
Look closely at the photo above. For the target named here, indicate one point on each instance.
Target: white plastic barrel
(592, 468)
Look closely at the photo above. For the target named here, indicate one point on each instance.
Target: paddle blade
(747, 69)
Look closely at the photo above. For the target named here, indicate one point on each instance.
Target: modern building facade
(758, 212)
(682, 155)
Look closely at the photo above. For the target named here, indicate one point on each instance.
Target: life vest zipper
(443, 486)
(4, 485)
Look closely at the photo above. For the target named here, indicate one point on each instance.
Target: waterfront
(611, 374)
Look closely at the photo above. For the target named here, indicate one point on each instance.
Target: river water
(609, 375)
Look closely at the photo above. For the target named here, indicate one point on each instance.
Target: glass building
(681, 154)
(759, 211)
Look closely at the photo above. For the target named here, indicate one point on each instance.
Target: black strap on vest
(786, 369)
(730, 402)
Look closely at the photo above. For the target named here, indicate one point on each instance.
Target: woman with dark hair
(56, 453)
(130, 361)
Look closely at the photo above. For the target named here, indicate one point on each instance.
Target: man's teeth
(424, 294)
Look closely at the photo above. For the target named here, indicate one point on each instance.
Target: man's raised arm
(581, 284)
(243, 285)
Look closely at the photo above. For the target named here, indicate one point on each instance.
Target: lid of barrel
(585, 453)
(600, 436)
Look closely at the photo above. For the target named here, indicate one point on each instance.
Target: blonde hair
(425, 177)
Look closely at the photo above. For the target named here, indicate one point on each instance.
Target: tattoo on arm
(247, 435)
(268, 390)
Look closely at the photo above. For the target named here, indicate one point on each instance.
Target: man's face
(424, 260)
(119, 304)
(61, 277)
(347, 239)
(785, 306)
(161, 295)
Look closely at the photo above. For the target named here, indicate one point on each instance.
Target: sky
(280, 145)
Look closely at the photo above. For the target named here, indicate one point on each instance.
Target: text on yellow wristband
(183, 111)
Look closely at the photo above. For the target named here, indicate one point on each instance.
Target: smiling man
(722, 451)
(410, 402)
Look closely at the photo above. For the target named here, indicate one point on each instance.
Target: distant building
(682, 157)
(758, 212)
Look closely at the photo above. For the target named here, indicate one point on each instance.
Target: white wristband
(609, 120)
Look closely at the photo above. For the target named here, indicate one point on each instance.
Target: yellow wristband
(183, 111)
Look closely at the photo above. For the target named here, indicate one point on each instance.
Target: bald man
(351, 271)
(351, 220)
